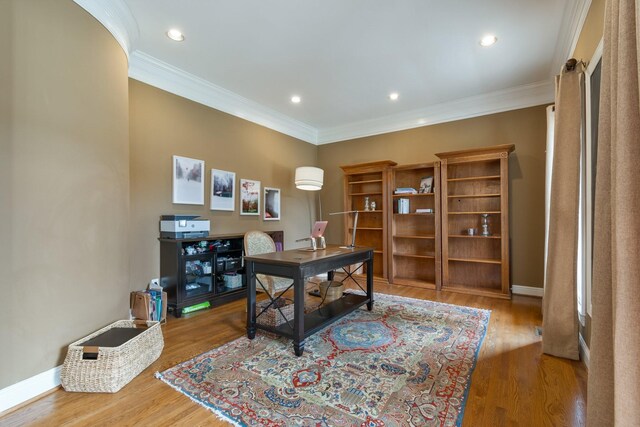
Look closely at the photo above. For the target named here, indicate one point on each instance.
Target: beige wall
(163, 125)
(64, 188)
(591, 33)
(525, 128)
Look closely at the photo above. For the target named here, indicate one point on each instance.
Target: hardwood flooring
(513, 384)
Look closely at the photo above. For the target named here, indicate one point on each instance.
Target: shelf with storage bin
(475, 182)
(415, 236)
(368, 182)
(210, 269)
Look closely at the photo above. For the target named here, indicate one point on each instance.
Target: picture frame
(426, 185)
(223, 190)
(249, 197)
(271, 204)
(188, 181)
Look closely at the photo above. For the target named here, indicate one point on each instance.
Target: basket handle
(90, 352)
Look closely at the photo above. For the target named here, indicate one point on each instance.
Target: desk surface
(299, 257)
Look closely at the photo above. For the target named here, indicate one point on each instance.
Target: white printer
(183, 227)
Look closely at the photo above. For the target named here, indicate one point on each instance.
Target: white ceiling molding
(165, 76)
(575, 14)
(116, 17)
(490, 103)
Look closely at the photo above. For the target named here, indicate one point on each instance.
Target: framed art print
(188, 181)
(249, 197)
(271, 204)
(223, 190)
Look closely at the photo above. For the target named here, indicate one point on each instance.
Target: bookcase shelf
(476, 182)
(415, 237)
(474, 178)
(368, 180)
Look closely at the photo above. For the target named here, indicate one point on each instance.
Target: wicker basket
(331, 291)
(272, 316)
(114, 367)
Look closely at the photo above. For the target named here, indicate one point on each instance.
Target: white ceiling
(344, 57)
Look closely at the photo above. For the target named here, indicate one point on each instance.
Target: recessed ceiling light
(296, 99)
(176, 35)
(422, 121)
(488, 40)
(393, 96)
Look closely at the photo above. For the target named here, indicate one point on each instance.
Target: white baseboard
(584, 351)
(28, 389)
(527, 290)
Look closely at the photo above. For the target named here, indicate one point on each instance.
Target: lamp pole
(355, 226)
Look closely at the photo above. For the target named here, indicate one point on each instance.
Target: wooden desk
(298, 264)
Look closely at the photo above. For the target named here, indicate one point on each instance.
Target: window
(588, 180)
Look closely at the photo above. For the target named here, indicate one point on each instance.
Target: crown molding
(117, 18)
(490, 103)
(150, 70)
(575, 14)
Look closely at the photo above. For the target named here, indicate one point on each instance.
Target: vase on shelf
(366, 203)
(484, 223)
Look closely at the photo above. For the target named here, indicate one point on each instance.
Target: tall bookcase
(473, 183)
(369, 180)
(415, 235)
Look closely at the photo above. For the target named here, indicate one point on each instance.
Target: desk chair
(256, 243)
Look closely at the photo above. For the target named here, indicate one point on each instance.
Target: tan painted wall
(163, 125)
(525, 128)
(591, 33)
(64, 188)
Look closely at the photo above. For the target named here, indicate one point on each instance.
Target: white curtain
(551, 123)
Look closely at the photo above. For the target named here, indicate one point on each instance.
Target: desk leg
(251, 301)
(298, 313)
(370, 282)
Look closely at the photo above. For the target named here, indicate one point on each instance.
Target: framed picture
(223, 190)
(426, 185)
(249, 197)
(271, 204)
(188, 181)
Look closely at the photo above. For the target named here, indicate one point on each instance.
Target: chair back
(257, 242)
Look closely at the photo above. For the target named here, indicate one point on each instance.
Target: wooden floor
(513, 384)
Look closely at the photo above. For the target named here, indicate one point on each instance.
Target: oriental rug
(407, 362)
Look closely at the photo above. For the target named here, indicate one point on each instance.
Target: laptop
(318, 228)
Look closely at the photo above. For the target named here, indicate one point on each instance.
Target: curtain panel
(560, 320)
(614, 375)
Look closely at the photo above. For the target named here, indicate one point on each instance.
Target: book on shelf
(405, 190)
(425, 210)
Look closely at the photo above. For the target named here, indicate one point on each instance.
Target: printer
(183, 227)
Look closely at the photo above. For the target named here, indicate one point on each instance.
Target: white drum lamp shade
(309, 178)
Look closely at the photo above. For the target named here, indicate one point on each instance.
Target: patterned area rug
(406, 363)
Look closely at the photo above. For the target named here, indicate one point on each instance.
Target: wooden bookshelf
(476, 182)
(415, 237)
(369, 180)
